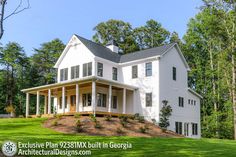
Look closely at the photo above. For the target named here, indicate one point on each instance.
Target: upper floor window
(87, 69)
(178, 127)
(75, 72)
(148, 99)
(101, 100)
(194, 128)
(64, 74)
(114, 73)
(181, 102)
(134, 71)
(174, 73)
(100, 69)
(149, 69)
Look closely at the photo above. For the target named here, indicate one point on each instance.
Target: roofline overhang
(79, 81)
(195, 93)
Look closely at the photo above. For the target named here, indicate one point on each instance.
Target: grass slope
(30, 130)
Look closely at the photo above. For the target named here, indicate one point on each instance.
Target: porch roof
(79, 81)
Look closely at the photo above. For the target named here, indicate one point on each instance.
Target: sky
(47, 19)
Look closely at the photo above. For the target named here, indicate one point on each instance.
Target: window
(149, 69)
(114, 102)
(194, 129)
(148, 99)
(178, 127)
(72, 99)
(194, 102)
(174, 73)
(60, 103)
(189, 101)
(181, 102)
(114, 73)
(134, 71)
(75, 72)
(87, 69)
(101, 100)
(86, 99)
(100, 69)
(64, 74)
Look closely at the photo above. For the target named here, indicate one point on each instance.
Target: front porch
(91, 96)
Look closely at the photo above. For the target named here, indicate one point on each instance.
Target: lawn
(30, 130)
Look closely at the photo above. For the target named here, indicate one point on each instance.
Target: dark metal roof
(104, 52)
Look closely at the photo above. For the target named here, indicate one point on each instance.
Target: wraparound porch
(91, 94)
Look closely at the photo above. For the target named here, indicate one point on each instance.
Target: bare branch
(18, 10)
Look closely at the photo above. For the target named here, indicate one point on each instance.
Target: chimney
(112, 46)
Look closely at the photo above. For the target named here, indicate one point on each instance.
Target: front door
(186, 128)
(72, 103)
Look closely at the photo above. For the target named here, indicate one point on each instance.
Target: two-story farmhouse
(95, 79)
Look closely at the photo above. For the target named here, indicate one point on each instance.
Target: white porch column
(38, 101)
(94, 96)
(45, 104)
(49, 101)
(63, 99)
(27, 105)
(77, 98)
(124, 100)
(109, 98)
(134, 101)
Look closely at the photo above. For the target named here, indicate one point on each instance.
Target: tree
(117, 30)
(19, 8)
(151, 35)
(165, 113)
(44, 59)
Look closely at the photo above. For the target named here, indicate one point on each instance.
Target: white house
(96, 79)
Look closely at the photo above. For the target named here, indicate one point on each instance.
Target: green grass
(30, 130)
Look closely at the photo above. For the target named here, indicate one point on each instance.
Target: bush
(154, 121)
(136, 116)
(143, 129)
(123, 118)
(141, 119)
(108, 118)
(59, 116)
(119, 131)
(55, 122)
(77, 115)
(165, 113)
(93, 118)
(123, 123)
(132, 117)
(79, 126)
(97, 125)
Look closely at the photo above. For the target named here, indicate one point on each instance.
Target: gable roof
(105, 53)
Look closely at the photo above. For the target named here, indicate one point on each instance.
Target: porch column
(63, 99)
(38, 102)
(45, 104)
(124, 100)
(77, 98)
(109, 98)
(93, 96)
(27, 105)
(134, 91)
(49, 101)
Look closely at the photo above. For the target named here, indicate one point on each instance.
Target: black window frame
(194, 129)
(101, 100)
(179, 128)
(148, 102)
(114, 73)
(99, 69)
(87, 69)
(86, 99)
(134, 71)
(114, 102)
(64, 74)
(181, 102)
(174, 73)
(148, 69)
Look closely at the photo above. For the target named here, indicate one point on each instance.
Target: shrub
(154, 121)
(132, 117)
(124, 118)
(108, 118)
(143, 129)
(119, 131)
(59, 116)
(165, 113)
(136, 116)
(77, 115)
(79, 126)
(97, 125)
(141, 119)
(123, 123)
(10, 109)
(93, 118)
(55, 122)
